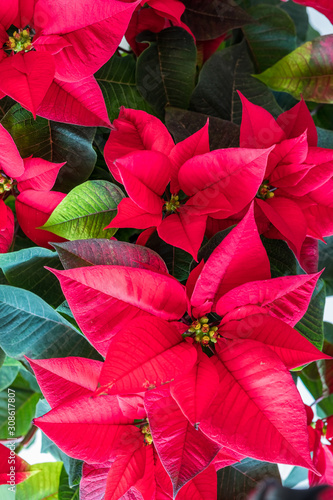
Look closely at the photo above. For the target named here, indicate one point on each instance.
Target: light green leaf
(85, 211)
(41, 486)
(306, 71)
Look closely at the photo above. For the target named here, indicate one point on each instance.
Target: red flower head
(48, 62)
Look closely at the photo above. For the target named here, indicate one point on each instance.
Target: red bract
(55, 52)
(253, 337)
(322, 456)
(221, 182)
(33, 178)
(13, 469)
(294, 201)
(112, 434)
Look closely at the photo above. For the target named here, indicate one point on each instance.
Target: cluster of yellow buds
(21, 40)
(173, 204)
(202, 332)
(264, 192)
(6, 183)
(146, 431)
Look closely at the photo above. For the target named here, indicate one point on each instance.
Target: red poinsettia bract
(30, 180)
(142, 156)
(49, 61)
(250, 406)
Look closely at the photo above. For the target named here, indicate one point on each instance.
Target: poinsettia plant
(166, 235)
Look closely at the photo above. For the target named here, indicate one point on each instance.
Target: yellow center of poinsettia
(6, 183)
(265, 191)
(147, 434)
(20, 40)
(173, 204)
(202, 331)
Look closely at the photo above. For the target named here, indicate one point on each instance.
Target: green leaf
(221, 76)
(209, 20)
(117, 80)
(306, 71)
(29, 326)
(177, 260)
(166, 70)
(7, 376)
(55, 142)
(299, 15)
(65, 491)
(281, 258)
(182, 123)
(325, 138)
(238, 480)
(311, 325)
(272, 37)
(25, 407)
(326, 261)
(85, 211)
(41, 486)
(25, 269)
(311, 379)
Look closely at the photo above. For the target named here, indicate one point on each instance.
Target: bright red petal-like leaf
(146, 486)
(135, 130)
(93, 29)
(287, 217)
(79, 103)
(184, 451)
(195, 391)
(286, 298)
(25, 13)
(131, 215)
(258, 407)
(63, 378)
(9, 463)
(125, 472)
(309, 255)
(322, 458)
(296, 120)
(293, 349)
(50, 43)
(172, 9)
(105, 298)
(92, 429)
(38, 174)
(145, 175)
(26, 77)
(223, 180)
(201, 487)
(6, 227)
(239, 258)
(93, 481)
(11, 162)
(8, 12)
(258, 129)
(226, 457)
(33, 208)
(288, 151)
(145, 355)
(196, 144)
(183, 230)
